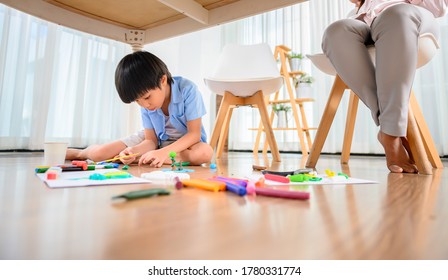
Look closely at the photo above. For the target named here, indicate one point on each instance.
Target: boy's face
(153, 99)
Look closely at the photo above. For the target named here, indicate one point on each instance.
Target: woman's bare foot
(397, 157)
(406, 145)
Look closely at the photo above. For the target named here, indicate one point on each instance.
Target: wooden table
(140, 22)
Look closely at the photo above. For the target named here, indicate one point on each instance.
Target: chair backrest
(242, 62)
(427, 48)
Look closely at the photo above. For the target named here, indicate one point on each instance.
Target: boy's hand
(127, 160)
(154, 158)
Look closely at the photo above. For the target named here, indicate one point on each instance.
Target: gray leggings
(384, 87)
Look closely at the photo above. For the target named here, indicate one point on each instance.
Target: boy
(172, 108)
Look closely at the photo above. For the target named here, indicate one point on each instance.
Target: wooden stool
(422, 145)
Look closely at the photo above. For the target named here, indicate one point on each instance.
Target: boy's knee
(207, 153)
(202, 153)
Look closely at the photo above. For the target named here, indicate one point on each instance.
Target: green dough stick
(184, 163)
(142, 194)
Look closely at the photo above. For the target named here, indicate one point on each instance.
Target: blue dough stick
(184, 170)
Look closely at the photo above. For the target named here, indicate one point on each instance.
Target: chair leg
(349, 127)
(417, 147)
(224, 132)
(258, 100)
(220, 118)
(220, 130)
(428, 142)
(327, 119)
(271, 118)
(265, 145)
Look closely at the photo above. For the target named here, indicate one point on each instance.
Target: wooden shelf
(296, 73)
(286, 128)
(296, 100)
(298, 111)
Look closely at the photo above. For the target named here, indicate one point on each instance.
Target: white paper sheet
(81, 179)
(337, 180)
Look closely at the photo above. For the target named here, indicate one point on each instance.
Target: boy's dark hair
(139, 72)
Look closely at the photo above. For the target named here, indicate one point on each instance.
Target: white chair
(419, 137)
(244, 74)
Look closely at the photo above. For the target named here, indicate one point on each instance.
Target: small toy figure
(178, 166)
(173, 160)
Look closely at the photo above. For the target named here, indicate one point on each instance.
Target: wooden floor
(401, 217)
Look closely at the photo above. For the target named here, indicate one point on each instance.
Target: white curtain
(57, 84)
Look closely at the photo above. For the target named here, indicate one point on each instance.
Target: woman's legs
(385, 90)
(396, 32)
(344, 43)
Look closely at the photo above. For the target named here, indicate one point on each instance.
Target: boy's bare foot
(397, 157)
(73, 154)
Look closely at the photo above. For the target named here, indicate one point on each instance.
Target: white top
(372, 8)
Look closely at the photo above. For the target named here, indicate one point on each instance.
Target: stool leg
(428, 142)
(327, 119)
(416, 144)
(349, 127)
